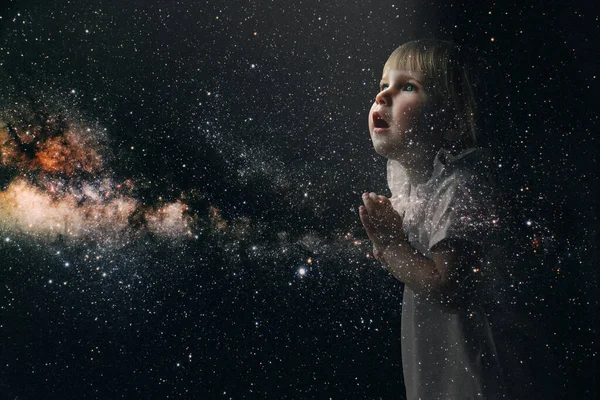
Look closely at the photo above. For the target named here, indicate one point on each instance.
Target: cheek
(414, 116)
(406, 119)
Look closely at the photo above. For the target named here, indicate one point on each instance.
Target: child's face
(397, 118)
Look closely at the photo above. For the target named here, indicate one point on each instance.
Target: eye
(383, 86)
(409, 87)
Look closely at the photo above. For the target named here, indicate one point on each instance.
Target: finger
(367, 200)
(377, 199)
(376, 208)
(384, 200)
(370, 201)
(381, 206)
(388, 209)
(368, 224)
(366, 220)
(370, 206)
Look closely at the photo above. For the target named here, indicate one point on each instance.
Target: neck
(418, 169)
(418, 174)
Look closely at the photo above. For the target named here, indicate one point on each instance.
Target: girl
(438, 231)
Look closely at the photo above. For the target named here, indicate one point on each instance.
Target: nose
(383, 97)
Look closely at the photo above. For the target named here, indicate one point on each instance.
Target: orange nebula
(61, 188)
(67, 153)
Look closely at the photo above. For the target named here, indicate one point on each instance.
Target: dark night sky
(234, 136)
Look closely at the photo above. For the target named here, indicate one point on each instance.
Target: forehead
(394, 74)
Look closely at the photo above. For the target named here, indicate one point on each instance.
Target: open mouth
(379, 122)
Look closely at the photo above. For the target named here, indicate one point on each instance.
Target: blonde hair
(449, 73)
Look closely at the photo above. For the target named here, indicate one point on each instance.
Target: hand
(382, 223)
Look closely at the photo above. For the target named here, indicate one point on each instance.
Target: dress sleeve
(463, 208)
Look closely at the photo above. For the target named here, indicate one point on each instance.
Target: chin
(384, 151)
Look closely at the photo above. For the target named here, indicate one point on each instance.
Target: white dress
(452, 354)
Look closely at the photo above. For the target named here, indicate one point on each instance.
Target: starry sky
(180, 182)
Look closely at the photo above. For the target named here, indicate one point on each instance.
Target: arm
(439, 278)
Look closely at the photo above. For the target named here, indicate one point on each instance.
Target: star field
(180, 182)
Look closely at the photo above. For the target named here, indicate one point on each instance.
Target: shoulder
(469, 174)
(464, 202)
(474, 161)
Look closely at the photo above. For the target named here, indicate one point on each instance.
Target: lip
(376, 116)
(379, 131)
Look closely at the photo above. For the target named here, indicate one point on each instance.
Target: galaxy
(61, 189)
(180, 183)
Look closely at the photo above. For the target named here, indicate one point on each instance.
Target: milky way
(61, 187)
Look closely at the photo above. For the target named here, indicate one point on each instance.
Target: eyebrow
(404, 77)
